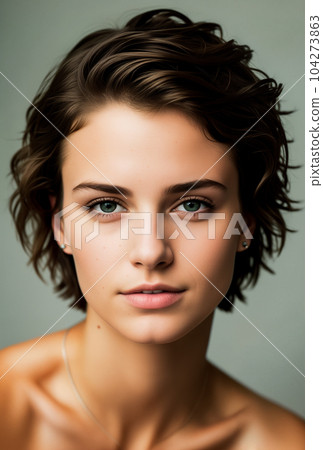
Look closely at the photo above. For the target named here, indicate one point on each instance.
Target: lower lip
(153, 301)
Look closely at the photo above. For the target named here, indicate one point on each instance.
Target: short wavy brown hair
(159, 59)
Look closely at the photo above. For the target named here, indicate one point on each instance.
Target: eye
(106, 207)
(193, 205)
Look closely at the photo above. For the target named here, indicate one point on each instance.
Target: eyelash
(107, 216)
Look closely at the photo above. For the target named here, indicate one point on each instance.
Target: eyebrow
(175, 189)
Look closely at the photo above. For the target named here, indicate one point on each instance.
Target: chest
(51, 435)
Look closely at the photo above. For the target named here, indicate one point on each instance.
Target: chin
(163, 331)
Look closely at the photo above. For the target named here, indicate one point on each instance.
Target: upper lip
(152, 287)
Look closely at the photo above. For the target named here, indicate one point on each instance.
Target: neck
(126, 382)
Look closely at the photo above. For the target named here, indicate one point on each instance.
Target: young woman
(152, 192)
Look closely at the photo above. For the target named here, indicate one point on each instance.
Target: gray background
(34, 35)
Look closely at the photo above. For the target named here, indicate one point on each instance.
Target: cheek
(96, 254)
(220, 263)
(213, 259)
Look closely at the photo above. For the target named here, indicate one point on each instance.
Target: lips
(152, 289)
(147, 301)
(153, 296)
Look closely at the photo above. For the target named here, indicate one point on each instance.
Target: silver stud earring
(62, 246)
(244, 244)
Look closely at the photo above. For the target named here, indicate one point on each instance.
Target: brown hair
(159, 59)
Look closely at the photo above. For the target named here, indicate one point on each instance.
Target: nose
(150, 251)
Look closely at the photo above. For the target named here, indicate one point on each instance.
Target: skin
(132, 365)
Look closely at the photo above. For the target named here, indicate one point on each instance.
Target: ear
(58, 228)
(246, 236)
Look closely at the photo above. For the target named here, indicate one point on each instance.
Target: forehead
(132, 147)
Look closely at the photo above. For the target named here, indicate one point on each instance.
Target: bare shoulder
(23, 367)
(273, 426)
(14, 408)
(29, 360)
(262, 424)
(19, 359)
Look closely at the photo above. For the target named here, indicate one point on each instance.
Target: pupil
(192, 205)
(107, 206)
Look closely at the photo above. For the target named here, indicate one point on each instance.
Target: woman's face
(147, 156)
